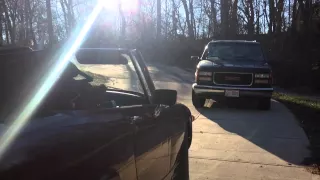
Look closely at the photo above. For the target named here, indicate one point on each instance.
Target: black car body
(15, 49)
(232, 69)
(128, 136)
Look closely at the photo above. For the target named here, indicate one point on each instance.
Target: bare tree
(188, 21)
(279, 16)
(224, 5)
(50, 23)
(158, 18)
(294, 16)
(192, 19)
(213, 17)
(271, 16)
(1, 26)
(234, 18)
(174, 18)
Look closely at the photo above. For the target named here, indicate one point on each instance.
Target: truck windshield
(236, 51)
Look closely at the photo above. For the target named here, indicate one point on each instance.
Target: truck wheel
(265, 104)
(197, 101)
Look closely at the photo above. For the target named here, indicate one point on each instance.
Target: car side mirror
(195, 58)
(164, 96)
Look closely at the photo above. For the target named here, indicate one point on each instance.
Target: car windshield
(236, 51)
(110, 74)
(84, 85)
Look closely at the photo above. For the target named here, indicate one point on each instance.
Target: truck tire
(197, 101)
(265, 104)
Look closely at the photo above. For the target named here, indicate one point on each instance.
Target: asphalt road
(240, 142)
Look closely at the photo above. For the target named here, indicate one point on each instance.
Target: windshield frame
(144, 80)
(138, 71)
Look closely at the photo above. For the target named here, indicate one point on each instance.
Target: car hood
(233, 65)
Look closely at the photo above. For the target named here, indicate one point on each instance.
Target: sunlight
(21, 117)
(128, 6)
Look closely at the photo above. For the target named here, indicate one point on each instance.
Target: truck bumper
(219, 91)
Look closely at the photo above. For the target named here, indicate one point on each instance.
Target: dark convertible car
(102, 119)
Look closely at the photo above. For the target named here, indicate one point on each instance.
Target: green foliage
(298, 100)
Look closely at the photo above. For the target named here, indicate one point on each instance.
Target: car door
(95, 145)
(151, 144)
(159, 132)
(159, 135)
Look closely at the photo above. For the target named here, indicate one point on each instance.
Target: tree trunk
(1, 29)
(258, 26)
(7, 32)
(234, 19)
(27, 16)
(289, 11)
(271, 16)
(33, 37)
(224, 18)
(190, 28)
(174, 19)
(13, 29)
(49, 21)
(193, 23)
(70, 14)
(294, 17)
(279, 16)
(182, 27)
(22, 30)
(250, 19)
(62, 4)
(158, 19)
(265, 16)
(8, 24)
(214, 21)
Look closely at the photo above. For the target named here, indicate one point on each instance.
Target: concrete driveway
(240, 142)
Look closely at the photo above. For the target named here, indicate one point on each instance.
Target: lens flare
(21, 118)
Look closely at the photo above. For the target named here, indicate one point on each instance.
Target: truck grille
(235, 79)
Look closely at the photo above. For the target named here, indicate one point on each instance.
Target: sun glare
(20, 118)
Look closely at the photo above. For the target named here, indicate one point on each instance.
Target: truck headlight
(204, 73)
(203, 76)
(262, 76)
(205, 79)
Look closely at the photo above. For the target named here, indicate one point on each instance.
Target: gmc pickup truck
(231, 69)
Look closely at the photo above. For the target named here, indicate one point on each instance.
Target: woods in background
(49, 21)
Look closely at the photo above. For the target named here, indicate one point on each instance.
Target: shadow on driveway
(275, 131)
